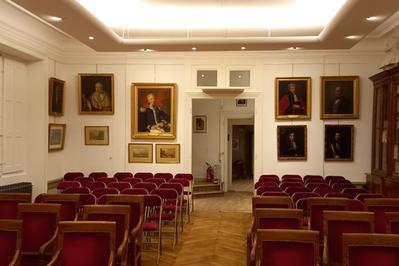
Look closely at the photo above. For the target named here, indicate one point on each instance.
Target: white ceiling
(216, 25)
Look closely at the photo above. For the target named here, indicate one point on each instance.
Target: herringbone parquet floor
(212, 239)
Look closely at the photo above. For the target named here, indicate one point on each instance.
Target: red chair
(313, 185)
(166, 176)
(298, 177)
(120, 215)
(146, 185)
(266, 183)
(292, 190)
(39, 231)
(67, 184)
(275, 193)
(313, 178)
(122, 175)
(83, 180)
(338, 195)
(325, 190)
(187, 195)
(284, 185)
(273, 178)
(380, 207)
(76, 190)
(339, 181)
(95, 185)
(392, 222)
(277, 247)
(69, 204)
(334, 177)
(107, 180)
(10, 239)
(152, 225)
(119, 185)
(181, 204)
(157, 181)
(136, 205)
(364, 196)
(85, 243)
(87, 199)
(9, 204)
(98, 192)
(70, 176)
(97, 175)
(263, 189)
(354, 191)
(185, 176)
(299, 199)
(135, 191)
(143, 175)
(370, 250)
(132, 180)
(342, 186)
(271, 202)
(337, 223)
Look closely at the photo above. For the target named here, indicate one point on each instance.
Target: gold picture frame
(140, 152)
(56, 137)
(200, 124)
(292, 143)
(339, 97)
(293, 98)
(339, 143)
(153, 111)
(56, 92)
(97, 135)
(167, 153)
(96, 94)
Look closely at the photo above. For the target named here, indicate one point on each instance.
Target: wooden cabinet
(384, 177)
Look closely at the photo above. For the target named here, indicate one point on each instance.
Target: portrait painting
(96, 94)
(168, 153)
(153, 111)
(338, 142)
(140, 153)
(339, 97)
(56, 97)
(292, 143)
(96, 135)
(199, 123)
(56, 137)
(293, 98)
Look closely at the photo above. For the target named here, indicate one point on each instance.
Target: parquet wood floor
(212, 239)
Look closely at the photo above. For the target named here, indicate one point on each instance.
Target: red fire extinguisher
(210, 173)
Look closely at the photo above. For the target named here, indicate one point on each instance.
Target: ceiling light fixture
(194, 48)
(375, 18)
(293, 48)
(353, 37)
(146, 50)
(53, 18)
(243, 48)
(91, 38)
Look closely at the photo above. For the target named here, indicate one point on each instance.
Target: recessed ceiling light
(375, 18)
(293, 48)
(146, 50)
(194, 48)
(353, 37)
(243, 47)
(91, 38)
(53, 18)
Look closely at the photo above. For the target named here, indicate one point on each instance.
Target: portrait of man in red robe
(292, 103)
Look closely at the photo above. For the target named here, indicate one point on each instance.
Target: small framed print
(168, 153)
(338, 142)
(241, 102)
(96, 94)
(56, 97)
(96, 135)
(339, 97)
(291, 143)
(56, 137)
(140, 153)
(199, 123)
(293, 98)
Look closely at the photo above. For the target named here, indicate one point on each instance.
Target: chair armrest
(122, 248)
(16, 258)
(111, 259)
(252, 256)
(44, 247)
(137, 228)
(54, 259)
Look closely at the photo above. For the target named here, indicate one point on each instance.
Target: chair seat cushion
(165, 216)
(149, 226)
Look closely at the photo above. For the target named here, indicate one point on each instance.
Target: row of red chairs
(70, 176)
(278, 230)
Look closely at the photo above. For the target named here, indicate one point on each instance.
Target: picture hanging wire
(292, 70)
(155, 73)
(339, 69)
(96, 68)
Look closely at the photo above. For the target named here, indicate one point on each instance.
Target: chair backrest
(324, 190)
(275, 193)
(132, 180)
(122, 175)
(338, 195)
(342, 186)
(83, 180)
(291, 177)
(120, 214)
(176, 186)
(119, 185)
(370, 249)
(72, 175)
(334, 177)
(98, 192)
(152, 200)
(157, 181)
(354, 191)
(313, 185)
(336, 223)
(313, 178)
(355, 205)
(143, 175)
(69, 204)
(86, 243)
(135, 191)
(166, 176)
(135, 202)
(146, 185)
(40, 222)
(9, 204)
(302, 203)
(165, 193)
(271, 202)
(363, 196)
(107, 180)
(62, 185)
(273, 178)
(287, 247)
(392, 222)
(303, 195)
(284, 185)
(380, 207)
(184, 182)
(291, 190)
(95, 185)
(278, 219)
(185, 176)
(266, 183)
(87, 199)
(262, 189)
(339, 181)
(77, 190)
(11, 240)
(97, 175)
